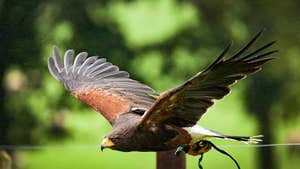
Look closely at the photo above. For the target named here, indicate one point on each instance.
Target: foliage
(161, 43)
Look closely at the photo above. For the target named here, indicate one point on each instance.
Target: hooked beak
(102, 147)
(106, 143)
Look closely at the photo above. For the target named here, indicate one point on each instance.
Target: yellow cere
(107, 142)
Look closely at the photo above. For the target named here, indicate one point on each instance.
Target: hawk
(144, 120)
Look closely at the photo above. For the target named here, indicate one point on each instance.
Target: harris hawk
(144, 120)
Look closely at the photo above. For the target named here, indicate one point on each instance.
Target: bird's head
(108, 142)
(123, 133)
(116, 141)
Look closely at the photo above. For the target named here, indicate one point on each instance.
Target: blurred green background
(161, 43)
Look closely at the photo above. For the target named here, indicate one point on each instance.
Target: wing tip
(220, 57)
(56, 51)
(250, 43)
(53, 69)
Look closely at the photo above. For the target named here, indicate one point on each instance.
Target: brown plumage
(140, 121)
(111, 105)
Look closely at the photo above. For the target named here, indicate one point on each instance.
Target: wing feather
(86, 64)
(185, 104)
(100, 84)
(79, 60)
(68, 60)
(57, 60)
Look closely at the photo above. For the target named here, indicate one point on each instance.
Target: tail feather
(198, 133)
(246, 139)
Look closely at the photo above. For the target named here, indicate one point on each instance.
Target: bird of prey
(144, 120)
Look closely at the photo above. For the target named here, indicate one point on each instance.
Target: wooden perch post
(168, 160)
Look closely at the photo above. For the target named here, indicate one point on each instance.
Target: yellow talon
(199, 147)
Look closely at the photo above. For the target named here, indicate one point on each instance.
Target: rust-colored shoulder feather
(100, 84)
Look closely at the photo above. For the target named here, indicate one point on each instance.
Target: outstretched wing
(184, 105)
(100, 84)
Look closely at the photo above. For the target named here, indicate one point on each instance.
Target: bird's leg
(203, 146)
(188, 149)
(199, 147)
